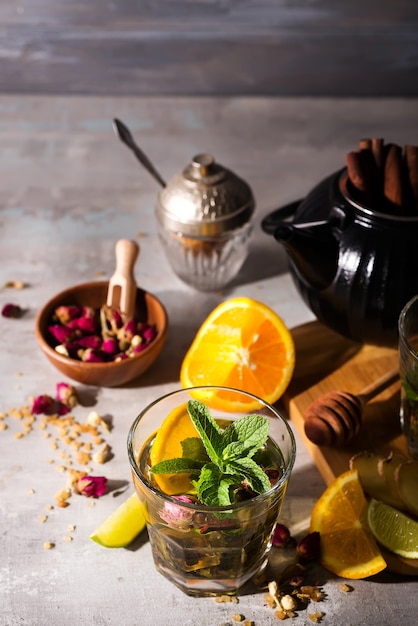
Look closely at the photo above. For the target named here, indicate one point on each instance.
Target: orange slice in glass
(348, 548)
(176, 427)
(245, 345)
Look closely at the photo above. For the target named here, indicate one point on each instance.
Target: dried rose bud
(137, 349)
(88, 311)
(281, 536)
(90, 341)
(12, 310)
(43, 404)
(110, 346)
(149, 334)
(309, 547)
(67, 395)
(62, 334)
(87, 324)
(92, 486)
(65, 314)
(91, 356)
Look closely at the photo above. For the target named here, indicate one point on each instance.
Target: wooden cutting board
(326, 361)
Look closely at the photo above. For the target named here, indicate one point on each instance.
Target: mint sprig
(225, 461)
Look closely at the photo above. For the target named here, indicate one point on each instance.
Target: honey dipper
(335, 417)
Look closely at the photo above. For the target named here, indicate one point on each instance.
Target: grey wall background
(210, 47)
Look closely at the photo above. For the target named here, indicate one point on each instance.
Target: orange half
(348, 548)
(245, 345)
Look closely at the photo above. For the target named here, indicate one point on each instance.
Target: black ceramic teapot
(355, 268)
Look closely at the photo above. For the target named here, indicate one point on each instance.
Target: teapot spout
(313, 249)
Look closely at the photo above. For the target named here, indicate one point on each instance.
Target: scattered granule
(49, 507)
(76, 445)
(346, 588)
(74, 476)
(94, 419)
(63, 455)
(48, 545)
(102, 455)
(61, 468)
(226, 598)
(63, 504)
(237, 617)
(62, 496)
(280, 614)
(15, 284)
(89, 429)
(91, 503)
(83, 457)
(27, 427)
(51, 461)
(3, 426)
(54, 445)
(270, 601)
(3, 415)
(30, 490)
(314, 593)
(88, 447)
(71, 528)
(46, 435)
(26, 412)
(43, 518)
(16, 414)
(19, 435)
(43, 424)
(316, 617)
(97, 441)
(68, 538)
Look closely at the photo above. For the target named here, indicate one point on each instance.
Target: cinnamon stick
(411, 162)
(362, 174)
(392, 179)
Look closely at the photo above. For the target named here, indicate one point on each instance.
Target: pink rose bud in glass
(92, 486)
(43, 404)
(11, 310)
(67, 395)
(178, 517)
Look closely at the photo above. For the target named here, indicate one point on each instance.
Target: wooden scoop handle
(378, 386)
(122, 286)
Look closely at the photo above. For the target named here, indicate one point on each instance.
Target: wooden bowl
(111, 374)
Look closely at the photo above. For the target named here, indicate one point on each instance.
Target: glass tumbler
(408, 370)
(208, 550)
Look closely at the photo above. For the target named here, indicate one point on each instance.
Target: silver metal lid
(205, 199)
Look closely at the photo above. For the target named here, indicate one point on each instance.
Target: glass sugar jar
(204, 216)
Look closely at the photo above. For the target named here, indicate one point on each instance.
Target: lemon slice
(122, 526)
(393, 529)
(242, 344)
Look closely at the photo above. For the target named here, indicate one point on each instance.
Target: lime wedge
(122, 526)
(393, 529)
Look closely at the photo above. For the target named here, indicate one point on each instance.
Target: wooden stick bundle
(383, 177)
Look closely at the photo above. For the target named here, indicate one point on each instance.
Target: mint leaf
(253, 473)
(207, 428)
(193, 448)
(251, 430)
(177, 466)
(213, 487)
(233, 450)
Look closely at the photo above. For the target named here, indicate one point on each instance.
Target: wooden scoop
(121, 292)
(335, 417)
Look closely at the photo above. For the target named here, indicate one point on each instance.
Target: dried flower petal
(12, 310)
(91, 356)
(90, 341)
(92, 486)
(62, 334)
(110, 346)
(87, 324)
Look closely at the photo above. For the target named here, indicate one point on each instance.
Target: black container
(355, 268)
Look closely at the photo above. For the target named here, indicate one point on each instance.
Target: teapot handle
(271, 221)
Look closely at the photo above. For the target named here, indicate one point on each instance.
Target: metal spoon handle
(126, 137)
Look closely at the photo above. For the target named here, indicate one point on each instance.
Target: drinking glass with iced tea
(211, 466)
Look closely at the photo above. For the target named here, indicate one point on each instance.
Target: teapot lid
(205, 199)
